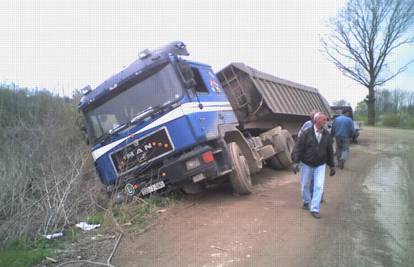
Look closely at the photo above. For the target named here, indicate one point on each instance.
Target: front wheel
(240, 177)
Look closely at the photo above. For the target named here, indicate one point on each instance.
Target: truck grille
(142, 150)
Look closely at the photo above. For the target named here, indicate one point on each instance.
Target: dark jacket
(309, 151)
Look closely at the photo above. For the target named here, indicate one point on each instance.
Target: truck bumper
(174, 173)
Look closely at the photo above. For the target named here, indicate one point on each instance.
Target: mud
(390, 185)
(376, 221)
(367, 219)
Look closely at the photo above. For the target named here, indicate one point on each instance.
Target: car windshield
(161, 87)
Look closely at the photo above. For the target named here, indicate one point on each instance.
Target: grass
(21, 257)
(24, 252)
(27, 251)
(97, 218)
(134, 214)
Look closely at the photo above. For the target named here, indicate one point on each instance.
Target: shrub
(391, 120)
(45, 170)
(363, 118)
(407, 121)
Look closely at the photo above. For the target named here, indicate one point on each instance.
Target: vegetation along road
(366, 221)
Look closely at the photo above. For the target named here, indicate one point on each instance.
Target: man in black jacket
(314, 150)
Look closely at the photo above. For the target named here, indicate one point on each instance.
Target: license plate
(152, 188)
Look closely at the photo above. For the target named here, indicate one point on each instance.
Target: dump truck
(167, 123)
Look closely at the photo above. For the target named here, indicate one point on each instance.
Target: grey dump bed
(261, 100)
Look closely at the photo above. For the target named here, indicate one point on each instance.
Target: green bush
(410, 124)
(363, 118)
(391, 120)
(400, 120)
(407, 121)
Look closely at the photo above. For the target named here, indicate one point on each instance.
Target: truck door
(216, 108)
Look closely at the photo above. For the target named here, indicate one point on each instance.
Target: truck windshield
(161, 87)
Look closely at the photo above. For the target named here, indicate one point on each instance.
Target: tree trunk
(371, 106)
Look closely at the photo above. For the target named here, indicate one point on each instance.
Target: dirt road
(367, 219)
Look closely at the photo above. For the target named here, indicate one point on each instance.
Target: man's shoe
(305, 206)
(315, 215)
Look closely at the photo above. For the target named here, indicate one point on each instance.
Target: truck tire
(284, 145)
(240, 176)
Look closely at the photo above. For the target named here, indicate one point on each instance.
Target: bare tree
(364, 34)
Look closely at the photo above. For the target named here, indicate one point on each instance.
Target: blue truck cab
(154, 125)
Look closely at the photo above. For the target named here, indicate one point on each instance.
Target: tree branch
(356, 47)
(402, 69)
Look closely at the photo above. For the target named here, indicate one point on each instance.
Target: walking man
(343, 130)
(314, 150)
(304, 127)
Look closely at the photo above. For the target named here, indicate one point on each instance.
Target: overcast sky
(63, 45)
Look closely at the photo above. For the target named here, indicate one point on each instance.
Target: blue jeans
(307, 173)
(342, 148)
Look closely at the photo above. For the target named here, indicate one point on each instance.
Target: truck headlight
(192, 163)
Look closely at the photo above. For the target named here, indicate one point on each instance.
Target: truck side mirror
(187, 74)
(85, 134)
(81, 125)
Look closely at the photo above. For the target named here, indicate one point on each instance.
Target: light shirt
(318, 133)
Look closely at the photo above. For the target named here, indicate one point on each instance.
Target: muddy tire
(283, 143)
(240, 176)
